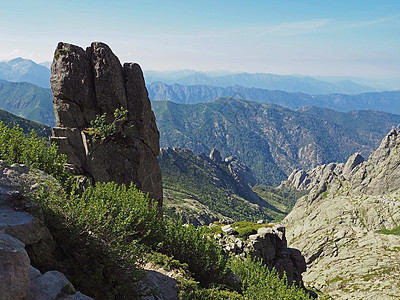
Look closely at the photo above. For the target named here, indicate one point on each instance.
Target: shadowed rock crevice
(90, 83)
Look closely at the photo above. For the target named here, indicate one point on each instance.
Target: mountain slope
(190, 94)
(271, 140)
(25, 70)
(28, 101)
(203, 189)
(11, 120)
(287, 83)
(337, 225)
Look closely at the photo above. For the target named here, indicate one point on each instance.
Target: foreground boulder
(90, 83)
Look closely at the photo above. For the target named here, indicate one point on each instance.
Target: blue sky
(324, 38)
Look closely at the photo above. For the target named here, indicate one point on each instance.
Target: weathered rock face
(336, 226)
(89, 83)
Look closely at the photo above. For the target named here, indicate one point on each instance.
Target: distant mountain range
(385, 101)
(271, 140)
(25, 70)
(286, 83)
(28, 101)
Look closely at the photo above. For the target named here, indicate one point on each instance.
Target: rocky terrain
(90, 83)
(26, 241)
(337, 225)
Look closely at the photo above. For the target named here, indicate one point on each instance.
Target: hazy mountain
(28, 101)
(25, 70)
(385, 101)
(271, 140)
(287, 83)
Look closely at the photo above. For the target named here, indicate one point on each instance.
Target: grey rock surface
(14, 268)
(337, 225)
(92, 82)
(51, 285)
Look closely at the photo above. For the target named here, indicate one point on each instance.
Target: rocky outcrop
(269, 244)
(25, 240)
(90, 83)
(337, 225)
(240, 171)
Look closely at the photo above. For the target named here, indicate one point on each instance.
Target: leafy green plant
(99, 233)
(101, 129)
(191, 245)
(258, 282)
(37, 153)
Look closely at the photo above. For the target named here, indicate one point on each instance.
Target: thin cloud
(372, 22)
(295, 28)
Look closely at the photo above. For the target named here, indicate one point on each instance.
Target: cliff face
(92, 82)
(336, 226)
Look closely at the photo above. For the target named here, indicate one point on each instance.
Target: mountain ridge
(190, 94)
(271, 140)
(290, 83)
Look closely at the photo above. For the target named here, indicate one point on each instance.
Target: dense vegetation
(270, 139)
(103, 233)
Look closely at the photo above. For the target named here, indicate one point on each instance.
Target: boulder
(48, 286)
(14, 268)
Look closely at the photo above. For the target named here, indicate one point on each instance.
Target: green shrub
(15, 147)
(258, 282)
(190, 290)
(394, 231)
(191, 245)
(99, 232)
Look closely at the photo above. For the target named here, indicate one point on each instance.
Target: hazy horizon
(352, 39)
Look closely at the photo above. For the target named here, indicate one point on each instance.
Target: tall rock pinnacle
(91, 83)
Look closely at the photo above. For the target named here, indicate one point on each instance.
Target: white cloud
(294, 28)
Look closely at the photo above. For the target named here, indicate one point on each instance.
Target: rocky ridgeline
(25, 240)
(92, 82)
(268, 244)
(336, 226)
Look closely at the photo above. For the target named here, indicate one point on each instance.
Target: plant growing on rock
(100, 129)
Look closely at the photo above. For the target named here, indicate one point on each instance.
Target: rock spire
(90, 83)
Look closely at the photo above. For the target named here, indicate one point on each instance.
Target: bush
(192, 245)
(15, 147)
(99, 233)
(258, 282)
